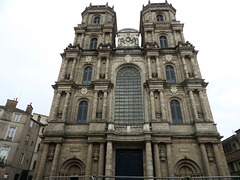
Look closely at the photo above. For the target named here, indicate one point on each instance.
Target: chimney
(12, 103)
(29, 108)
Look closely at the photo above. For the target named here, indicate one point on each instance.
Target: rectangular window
(21, 158)
(1, 111)
(31, 123)
(42, 130)
(16, 117)
(27, 139)
(34, 165)
(11, 132)
(3, 154)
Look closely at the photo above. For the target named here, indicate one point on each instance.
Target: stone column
(55, 162)
(101, 160)
(64, 69)
(169, 160)
(103, 38)
(149, 68)
(183, 39)
(162, 106)
(56, 105)
(109, 167)
(104, 108)
(42, 162)
(205, 160)
(98, 68)
(185, 67)
(107, 68)
(175, 36)
(194, 109)
(158, 67)
(73, 69)
(156, 160)
(82, 41)
(149, 160)
(152, 105)
(89, 160)
(203, 105)
(218, 160)
(153, 37)
(65, 108)
(194, 67)
(95, 100)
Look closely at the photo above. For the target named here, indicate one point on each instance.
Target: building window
(82, 112)
(32, 143)
(96, 20)
(128, 97)
(163, 42)
(38, 147)
(10, 133)
(159, 17)
(170, 74)
(16, 117)
(1, 111)
(20, 161)
(93, 43)
(87, 75)
(3, 154)
(27, 139)
(176, 112)
(42, 130)
(34, 165)
(31, 123)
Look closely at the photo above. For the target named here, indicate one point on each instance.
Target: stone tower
(127, 109)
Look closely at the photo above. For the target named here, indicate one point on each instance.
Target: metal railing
(140, 178)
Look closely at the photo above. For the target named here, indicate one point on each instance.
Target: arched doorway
(72, 167)
(187, 168)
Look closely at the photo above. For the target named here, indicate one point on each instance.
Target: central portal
(129, 162)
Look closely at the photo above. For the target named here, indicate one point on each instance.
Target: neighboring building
(42, 121)
(231, 148)
(130, 110)
(17, 140)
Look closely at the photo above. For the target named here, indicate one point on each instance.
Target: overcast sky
(33, 33)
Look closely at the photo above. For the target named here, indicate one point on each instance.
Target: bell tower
(98, 23)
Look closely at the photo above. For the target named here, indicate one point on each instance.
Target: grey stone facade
(18, 137)
(231, 148)
(176, 136)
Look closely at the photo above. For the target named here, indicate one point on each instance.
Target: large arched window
(96, 20)
(128, 97)
(82, 112)
(163, 42)
(93, 43)
(170, 74)
(87, 75)
(176, 112)
(159, 17)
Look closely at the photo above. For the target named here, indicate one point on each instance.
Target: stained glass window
(128, 97)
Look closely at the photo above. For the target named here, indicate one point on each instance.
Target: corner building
(124, 109)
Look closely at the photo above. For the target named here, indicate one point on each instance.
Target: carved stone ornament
(168, 57)
(88, 59)
(174, 89)
(128, 37)
(128, 58)
(84, 90)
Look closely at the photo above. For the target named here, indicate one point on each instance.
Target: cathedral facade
(125, 106)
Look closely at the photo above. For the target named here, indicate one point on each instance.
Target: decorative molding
(128, 58)
(84, 90)
(174, 89)
(89, 59)
(168, 57)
